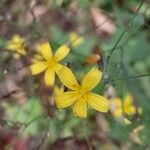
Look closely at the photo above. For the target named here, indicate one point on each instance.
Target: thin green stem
(127, 78)
(120, 37)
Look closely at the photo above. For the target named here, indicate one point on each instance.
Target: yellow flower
(49, 62)
(126, 121)
(116, 107)
(125, 106)
(57, 92)
(36, 58)
(128, 106)
(75, 39)
(80, 95)
(16, 44)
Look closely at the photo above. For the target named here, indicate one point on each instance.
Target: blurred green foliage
(135, 50)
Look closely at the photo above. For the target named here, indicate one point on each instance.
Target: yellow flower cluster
(125, 106)
(16, 44)
(75, 39)
(78, 95)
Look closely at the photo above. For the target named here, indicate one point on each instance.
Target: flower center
(82, 93)
(18, 45)
(51, 63)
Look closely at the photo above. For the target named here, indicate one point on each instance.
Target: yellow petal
(80, 108)
(58, 90)
(91, 79)
(117, 112)
(17, 39)
(66, 99)
(126, 121)
(116, 107)
(49, 77)
(75, 39)
(58, 66)
(131, 110)
(61, 53)
(16, 44)
(128, 106)
(11, 46)
(22, 51)
(67, 78)
(38, 67)
(140, 111)
(16, 48)
(128, 101)
(36, 58)
(45, 50)
(98, 102)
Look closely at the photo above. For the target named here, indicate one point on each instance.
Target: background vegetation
(116, 37)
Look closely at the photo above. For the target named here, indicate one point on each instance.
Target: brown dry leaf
(35, 13)
(70, 143)
(20, 96)
(10, 87)
(93, 59)
(110, 92)
(102, 22)
(74, 6)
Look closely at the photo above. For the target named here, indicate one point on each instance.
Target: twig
(25, 125)
(12, 122)
(34, 119)
(127, 78)
(31, 121)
